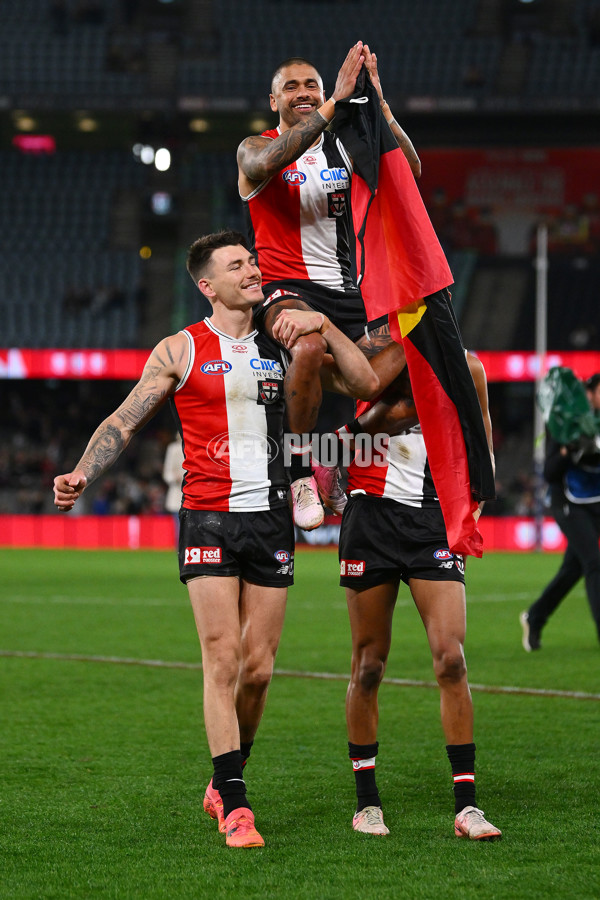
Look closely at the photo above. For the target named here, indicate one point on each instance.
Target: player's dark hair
(592, 382)
(292, 61)
(200, 253)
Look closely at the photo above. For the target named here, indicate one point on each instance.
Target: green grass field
(104, 759)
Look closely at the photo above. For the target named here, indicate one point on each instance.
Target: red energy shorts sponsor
(255, 546)
(383, 541)
(195, 555)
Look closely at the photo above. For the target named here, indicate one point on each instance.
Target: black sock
(462, 760)
(245, 748)
(363, 763)
(300, 464)
(229, 781)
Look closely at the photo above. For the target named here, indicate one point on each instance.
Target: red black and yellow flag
(403, 272)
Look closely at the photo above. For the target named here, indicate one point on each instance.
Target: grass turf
(104, 764)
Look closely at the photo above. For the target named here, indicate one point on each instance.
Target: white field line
(67, 599)
(289, 673)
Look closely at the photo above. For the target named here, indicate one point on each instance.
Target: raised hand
(346, 79)
(370, 60)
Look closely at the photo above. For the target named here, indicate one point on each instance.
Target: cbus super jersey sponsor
(299, 219)
(229, 405)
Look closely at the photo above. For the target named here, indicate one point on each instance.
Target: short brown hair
(200, 253)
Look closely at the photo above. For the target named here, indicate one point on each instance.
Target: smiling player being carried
(295, 183)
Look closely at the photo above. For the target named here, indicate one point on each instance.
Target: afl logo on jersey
(282, 556)
(216, 367)
(294, 177)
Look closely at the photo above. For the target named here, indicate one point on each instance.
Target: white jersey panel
(405, 476)
(318, 229)
(247, 426)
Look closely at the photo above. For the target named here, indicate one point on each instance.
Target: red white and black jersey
(299, 219)
(230, 408)
(400, 471)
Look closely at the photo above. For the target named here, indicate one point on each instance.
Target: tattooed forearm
(140, 407)
(293, 142)
(104, 448)
(376, 340)
(259, 160)
(144, 399)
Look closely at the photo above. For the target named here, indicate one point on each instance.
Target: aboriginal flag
(403, 272)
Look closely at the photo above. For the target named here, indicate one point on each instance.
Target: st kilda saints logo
(268, 392)
(337, 204)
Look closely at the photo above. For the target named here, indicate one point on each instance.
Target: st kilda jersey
(299, 220)
(393, 467)
(230, 408)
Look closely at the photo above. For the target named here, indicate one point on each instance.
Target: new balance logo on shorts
(355, 567)
(196, 555)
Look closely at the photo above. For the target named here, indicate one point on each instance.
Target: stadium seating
(43, 57)
(55, 216)
(431, 49)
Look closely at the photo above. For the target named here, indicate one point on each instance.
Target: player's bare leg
(303, 391)
(370, 613)
(215, 603)
(442, 607)
(262, 611)
(303, 396)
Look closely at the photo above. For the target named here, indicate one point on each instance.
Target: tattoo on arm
(378, 339)
(406, 145)
(143, 401)
(259, 161)
(105, 447)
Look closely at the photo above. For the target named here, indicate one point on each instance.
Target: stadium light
(24, 122)
(87, 124)
(199, 125)
(162, 159)
(147, 154)
(258, 124)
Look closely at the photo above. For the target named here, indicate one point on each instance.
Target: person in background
(173, 476)
(573, 476)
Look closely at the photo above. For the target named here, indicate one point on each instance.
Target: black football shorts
(384, 541)
(255, 546)
(344, 308)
